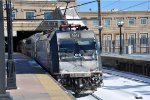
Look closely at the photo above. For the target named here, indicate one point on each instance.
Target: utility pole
(100, 25)
(11, 75)
(100, 42)
(3, 94)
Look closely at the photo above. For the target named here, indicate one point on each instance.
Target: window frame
(118, 39)
(51, 15)
(119, 19)
(107, 40)
(14, 13)
(130, 38)
(95, 23)
(141, 22)
(145, 42)
(131, 19)
(106, 24)
(30, 12)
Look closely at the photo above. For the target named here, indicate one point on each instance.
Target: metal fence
(128, 46)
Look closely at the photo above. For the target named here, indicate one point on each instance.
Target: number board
(75, 35)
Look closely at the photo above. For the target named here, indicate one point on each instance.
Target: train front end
(79, 60)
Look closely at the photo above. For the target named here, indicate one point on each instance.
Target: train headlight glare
(81, 85)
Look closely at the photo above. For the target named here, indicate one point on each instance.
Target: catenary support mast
(3, 94)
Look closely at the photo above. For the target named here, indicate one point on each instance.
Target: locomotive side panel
(42, 54)
(54, 54)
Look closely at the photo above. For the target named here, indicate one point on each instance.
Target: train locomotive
(72, 57)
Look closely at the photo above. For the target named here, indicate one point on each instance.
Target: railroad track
(124, 75)
(96, 97)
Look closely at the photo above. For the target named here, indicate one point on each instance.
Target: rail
(126, 75)
(96, 97)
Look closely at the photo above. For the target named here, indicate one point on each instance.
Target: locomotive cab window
(66, 49)
(66, 46)
(71, 49)
(86, 44)
(87, 48)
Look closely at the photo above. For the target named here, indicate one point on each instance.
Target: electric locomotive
(72, 57)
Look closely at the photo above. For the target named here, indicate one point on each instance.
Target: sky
(107, 5)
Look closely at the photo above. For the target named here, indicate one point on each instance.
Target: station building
(135, 31)
(29, 18)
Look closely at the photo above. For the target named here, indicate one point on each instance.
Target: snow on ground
(130, 75)
(119, 88)
(130, 56)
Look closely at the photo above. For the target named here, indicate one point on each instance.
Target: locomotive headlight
(81, 85)
(93, 78)
(97, 82)
(76, 55)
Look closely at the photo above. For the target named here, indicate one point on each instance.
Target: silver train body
(71, 56)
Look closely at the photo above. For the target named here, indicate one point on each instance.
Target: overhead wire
(106, 6)
(75, 6)
(134, 5)
(45, 4)
(81, 4)
(61, 5)
(111, 4)
(31, 4)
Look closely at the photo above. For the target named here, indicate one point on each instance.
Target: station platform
(141, 57)
(134, 63)
(33, 83)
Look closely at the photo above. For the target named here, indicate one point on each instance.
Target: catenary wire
(107, 14)
(111, 4)
(73, 6)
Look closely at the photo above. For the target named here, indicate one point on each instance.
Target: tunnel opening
(20, 35)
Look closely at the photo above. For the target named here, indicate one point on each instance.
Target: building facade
(135, 31)
(29, 17)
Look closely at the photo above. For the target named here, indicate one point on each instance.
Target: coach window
(30, 14)
(107, 22)
(48, 15)
(143, 39)
(143, 21)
